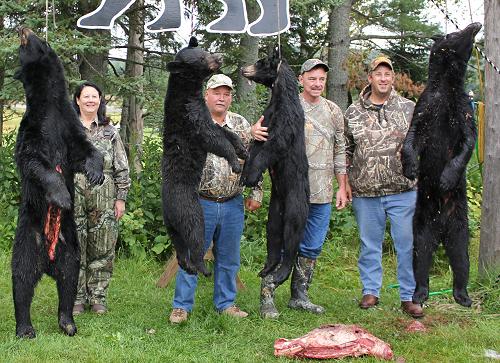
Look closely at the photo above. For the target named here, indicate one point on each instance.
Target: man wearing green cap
(325, 149)
(375, 129)
(221, 199)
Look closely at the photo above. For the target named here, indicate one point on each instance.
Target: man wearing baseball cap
(325, 149)
(375, 128)
(222, 202)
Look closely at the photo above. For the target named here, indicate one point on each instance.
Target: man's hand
(119, 209)
(259, 132)
(251, 205)
(342, 200)
(348, 191)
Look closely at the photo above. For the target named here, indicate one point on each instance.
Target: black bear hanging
(274, 17)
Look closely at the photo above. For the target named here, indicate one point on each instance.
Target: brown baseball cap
(381, 59)
(312, 63)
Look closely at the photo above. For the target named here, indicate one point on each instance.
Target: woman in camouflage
(98, 208)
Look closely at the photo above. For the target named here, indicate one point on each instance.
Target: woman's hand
(119, 209)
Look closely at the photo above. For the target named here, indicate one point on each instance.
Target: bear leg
(66, 275)
(104, 16)
(456, 245)
(25, 275)
(424, 244)
(170, 19)
(234, 19)
(273, 19)
(274, 234)
(294, 220)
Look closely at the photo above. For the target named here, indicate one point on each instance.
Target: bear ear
(193, 42)
(437, 37)
(18, 74)
(174, 67)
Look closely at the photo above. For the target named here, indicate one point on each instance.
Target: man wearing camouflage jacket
(375, 127)
(222, 202)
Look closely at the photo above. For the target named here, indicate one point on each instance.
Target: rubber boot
(274, 18)
(170, 18)
(104, 16)
(234, 19)
(267, 308)
(301, 280)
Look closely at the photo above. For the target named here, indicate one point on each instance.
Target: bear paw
(67, 326)
(448, 180)
(410, 170)
(420, 295)
(462, 298)
(26, 332)
(60, 198)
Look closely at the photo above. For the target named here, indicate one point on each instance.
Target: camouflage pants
(97, 233)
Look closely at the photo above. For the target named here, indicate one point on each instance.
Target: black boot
(170, 19)
(301, 279)
(267, 308)
(273, 19)
(104, 16)
(233, 21)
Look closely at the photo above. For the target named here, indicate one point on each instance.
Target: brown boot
(301, 280)
(412, 309)
(368, 301)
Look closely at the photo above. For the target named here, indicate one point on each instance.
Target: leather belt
(217, 199)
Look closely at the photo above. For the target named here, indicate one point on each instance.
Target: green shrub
(10, 186)
(141, 229)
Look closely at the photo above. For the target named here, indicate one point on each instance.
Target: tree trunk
(132, 122)
(93, 64)
(489, 248)
(245, 91)
(338, 34)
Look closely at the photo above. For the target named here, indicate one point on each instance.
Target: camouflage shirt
(374, 136)
(325, 147)
(107, 140)
(218, 179)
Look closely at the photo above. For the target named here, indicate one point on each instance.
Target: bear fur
(51, 146)
(189, 133)
(284, 154)
(436, 150)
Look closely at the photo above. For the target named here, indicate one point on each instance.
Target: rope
(47, 18)
(279, 37)
(475, 46)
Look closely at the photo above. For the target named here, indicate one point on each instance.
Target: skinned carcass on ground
(334, 341)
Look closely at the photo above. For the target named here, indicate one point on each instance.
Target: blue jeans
(371, 214)
(317, 224)
(224, 226)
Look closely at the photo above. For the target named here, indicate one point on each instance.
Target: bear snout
(474, 28)
(214, 61)
(24, 33)
(248, 71)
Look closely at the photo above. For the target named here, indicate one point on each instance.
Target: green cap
(312, 63)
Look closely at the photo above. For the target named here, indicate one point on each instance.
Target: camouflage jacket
(374, 137)
(218, 180)
(107, 140)
(325, 147)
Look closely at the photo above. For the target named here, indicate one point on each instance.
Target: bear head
(265, 70)
(194, 63)
(451, 53)
(38, 61)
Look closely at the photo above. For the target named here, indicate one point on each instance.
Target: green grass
(136, 329)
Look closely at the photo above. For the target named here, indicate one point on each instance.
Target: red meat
(333, 341)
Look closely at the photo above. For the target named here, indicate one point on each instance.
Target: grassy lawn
(137, 328)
